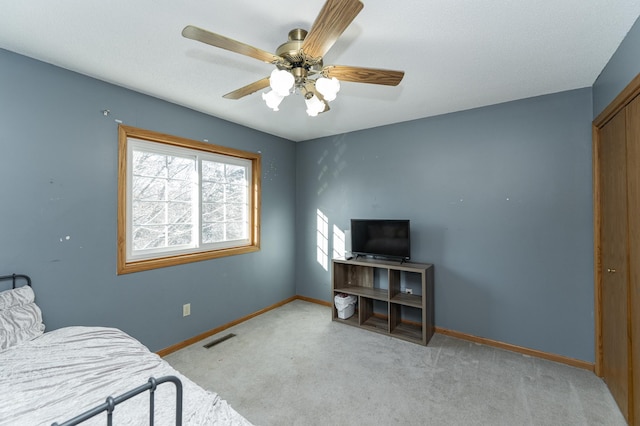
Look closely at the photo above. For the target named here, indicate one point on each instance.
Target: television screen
(381, 237)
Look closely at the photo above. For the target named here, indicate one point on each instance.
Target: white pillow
(20, 317)
(17, 296)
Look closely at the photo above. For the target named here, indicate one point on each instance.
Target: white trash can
(346, 305)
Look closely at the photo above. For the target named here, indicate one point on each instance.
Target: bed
(52, 377)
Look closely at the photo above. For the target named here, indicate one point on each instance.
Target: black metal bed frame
(13, 278)
(110, 404)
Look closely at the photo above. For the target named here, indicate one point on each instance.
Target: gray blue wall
(499, 200)
(58, 203)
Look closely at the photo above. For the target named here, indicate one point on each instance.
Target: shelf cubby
(383, 304)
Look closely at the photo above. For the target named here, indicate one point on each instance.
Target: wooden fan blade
(223, 42)
(363, 75)
(248, 89)
(333, 19)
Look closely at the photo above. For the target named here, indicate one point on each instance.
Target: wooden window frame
(125, 266)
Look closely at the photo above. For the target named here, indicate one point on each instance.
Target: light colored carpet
(294, 366)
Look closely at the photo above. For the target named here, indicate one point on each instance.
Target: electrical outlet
(186, 309)
(409, 291)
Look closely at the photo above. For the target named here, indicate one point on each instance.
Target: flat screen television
(381, 238)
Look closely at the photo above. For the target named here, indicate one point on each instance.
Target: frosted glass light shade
(328, 88)
(314, 106)
(281, 82)
(272, 99)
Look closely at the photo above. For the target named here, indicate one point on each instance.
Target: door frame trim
(621, 101)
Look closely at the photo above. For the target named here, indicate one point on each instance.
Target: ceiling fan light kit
(299, 65)
(281, 81)
(328, 88)
(272, 99)
(314, 105)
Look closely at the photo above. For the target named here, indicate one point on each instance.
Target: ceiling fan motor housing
(291, 52)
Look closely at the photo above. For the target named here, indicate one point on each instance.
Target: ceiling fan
(299, 66)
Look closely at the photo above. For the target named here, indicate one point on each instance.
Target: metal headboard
(13, 277)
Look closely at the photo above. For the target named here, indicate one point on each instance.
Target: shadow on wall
(331, 166)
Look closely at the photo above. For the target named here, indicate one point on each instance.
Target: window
(182, 201)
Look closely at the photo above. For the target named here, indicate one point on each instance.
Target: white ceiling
(457, 54)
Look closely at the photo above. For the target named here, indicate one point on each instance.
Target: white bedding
(65, 372)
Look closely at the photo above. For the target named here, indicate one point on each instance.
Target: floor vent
(220, 340)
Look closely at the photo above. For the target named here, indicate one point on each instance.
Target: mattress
(65, 372)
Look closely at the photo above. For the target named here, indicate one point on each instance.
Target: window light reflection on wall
(322, 239)
(339, 242)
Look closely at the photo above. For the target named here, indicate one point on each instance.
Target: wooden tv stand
(382, 305)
